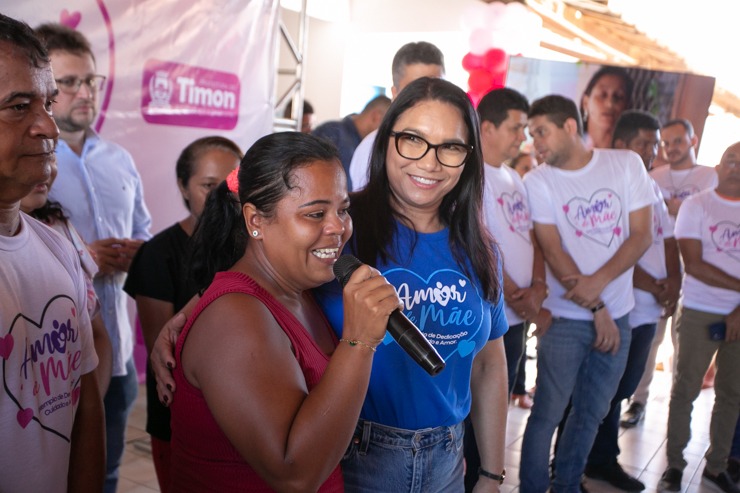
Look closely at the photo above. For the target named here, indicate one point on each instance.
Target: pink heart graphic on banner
(76, 395)
(24, 417)
(70, 20)
(74, 312)
(579, 233)
(6, 346)
(500, 201)
(566, 208)
(617, 231)
(713, 228)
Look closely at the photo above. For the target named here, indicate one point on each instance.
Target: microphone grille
(344, 267)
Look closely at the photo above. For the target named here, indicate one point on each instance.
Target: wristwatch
(490, 475)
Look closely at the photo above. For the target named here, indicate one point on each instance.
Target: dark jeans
(118, 402)
(606, 448)
(514, 343)
(520, 387)
(514, 340)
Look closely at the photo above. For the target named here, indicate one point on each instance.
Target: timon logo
(176, 94)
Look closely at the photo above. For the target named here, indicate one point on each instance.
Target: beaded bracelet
(598, 307)
(355, 342)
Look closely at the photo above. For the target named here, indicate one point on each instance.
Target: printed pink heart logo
(726, 238)
(516, 212)
(597, 218)
(6, 346)
(41, 362)
(71, 20)
(24, 417)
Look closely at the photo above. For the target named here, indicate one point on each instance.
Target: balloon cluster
(497, 30)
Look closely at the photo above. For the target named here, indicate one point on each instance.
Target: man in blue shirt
(101, 192)
(348, 132)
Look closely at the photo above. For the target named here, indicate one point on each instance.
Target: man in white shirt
(51, 413)
(657, 282)
(592, 213)
(412, 61)
(708, 323)
(683, 177)
(503, 116)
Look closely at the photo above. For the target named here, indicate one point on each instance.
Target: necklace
(677, 188)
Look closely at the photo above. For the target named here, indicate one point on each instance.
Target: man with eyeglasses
(592, 214)
(100, 189)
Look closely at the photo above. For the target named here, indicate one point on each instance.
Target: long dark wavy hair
(265, 177)
(374, 216)
(49, 213)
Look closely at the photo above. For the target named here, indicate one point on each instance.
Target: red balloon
(475, 97)
(480, 81)
(498, 79)
(495, 60)
(472, 62)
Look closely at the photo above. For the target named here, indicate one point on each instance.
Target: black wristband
(598, 307)
(490, 475)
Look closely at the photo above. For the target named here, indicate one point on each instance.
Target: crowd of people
(269, 374)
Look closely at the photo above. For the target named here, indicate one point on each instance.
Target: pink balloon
(474, 16)
(495, 16)
(498, 79)
(471, 62)
(495, 60)
(480, 81)
(480, 41)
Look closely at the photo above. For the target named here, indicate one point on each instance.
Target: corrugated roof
(590, 31)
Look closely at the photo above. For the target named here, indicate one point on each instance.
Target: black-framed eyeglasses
(72, 84)
(411, 146)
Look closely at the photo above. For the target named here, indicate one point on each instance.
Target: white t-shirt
(684, 183)
(590, 207)
(46, 346)
(506, 214)
(647, 309)
(716, 222)
(360, 164)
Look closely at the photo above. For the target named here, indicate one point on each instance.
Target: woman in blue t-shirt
(418, 221)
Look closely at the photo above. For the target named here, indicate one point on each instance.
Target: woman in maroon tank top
(267, 398)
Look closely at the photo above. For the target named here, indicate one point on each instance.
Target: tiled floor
(643, 447)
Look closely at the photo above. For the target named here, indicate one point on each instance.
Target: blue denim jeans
(606, 446)
(569, 369)
(118, 402)
(382, 459)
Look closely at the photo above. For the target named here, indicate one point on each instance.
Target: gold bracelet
(355, 342)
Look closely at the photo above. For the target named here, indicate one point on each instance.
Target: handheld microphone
(403, 330)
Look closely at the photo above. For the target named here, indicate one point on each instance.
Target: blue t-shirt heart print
(446, 307)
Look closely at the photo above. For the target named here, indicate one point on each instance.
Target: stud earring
(255, 233)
